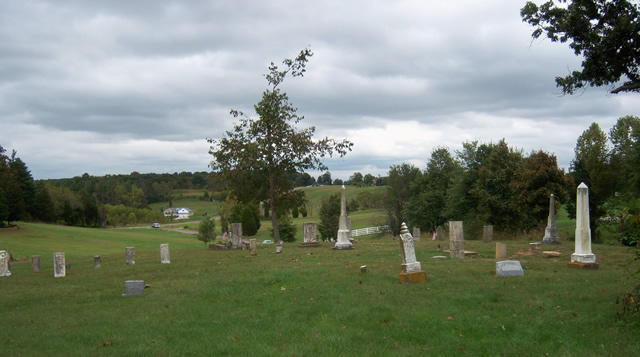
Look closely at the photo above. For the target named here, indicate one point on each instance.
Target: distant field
(44, 240)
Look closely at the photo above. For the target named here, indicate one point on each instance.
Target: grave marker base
(309, 244)
(578, 265)
(415, 277)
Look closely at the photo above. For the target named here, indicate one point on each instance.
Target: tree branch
(627, 87)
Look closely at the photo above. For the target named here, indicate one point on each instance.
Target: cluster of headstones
(60, 266)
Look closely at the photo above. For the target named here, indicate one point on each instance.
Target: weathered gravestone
(164, 254)
(59, 268)
(411, 268)
(5, 269)
(501, 251)
(551, 232)
(583, 257)
(130, 255)
(456, 239)
(344, 234)
(236, 235)
(310, 236)
(279, 247)
(97, 262)
(254, 247)
(416, 234)
(134, 287)
(509, 268)
(487, 234)
(35, 263)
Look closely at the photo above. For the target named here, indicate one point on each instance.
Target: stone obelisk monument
(343, 231)
(583, 258)
(551, 232)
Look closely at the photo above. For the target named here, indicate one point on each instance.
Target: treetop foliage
(259, 155)
(606, 33)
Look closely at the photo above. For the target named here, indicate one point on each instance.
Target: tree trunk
(274, 215)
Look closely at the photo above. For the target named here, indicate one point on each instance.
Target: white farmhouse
(179, 212)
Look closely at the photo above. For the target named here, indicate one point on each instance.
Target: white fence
(369, 230)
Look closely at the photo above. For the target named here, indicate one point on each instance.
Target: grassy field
(306, 301)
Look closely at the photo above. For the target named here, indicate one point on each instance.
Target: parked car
(155, 225)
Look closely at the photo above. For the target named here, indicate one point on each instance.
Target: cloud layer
(138, 86)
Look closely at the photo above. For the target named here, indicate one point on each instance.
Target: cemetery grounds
(305, 301)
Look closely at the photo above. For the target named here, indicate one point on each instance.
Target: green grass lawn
(306, 301)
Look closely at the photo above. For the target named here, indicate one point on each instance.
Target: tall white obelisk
(583, 257)
(343, 231)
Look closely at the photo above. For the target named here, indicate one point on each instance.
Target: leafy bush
(329, 217)
(206, 230)
(248, 215)
(287, 229)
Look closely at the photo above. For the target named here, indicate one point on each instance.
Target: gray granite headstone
(130, 254)
(509, 268)
(164, 254)
(551, 232)
(279, 247)
(5, 270)
(97, 262)
(456, 239)
(416, 234)
(59, 268)
(254, 247)
(236, 235)
(35, 263)
(487, 234)
(134, 287)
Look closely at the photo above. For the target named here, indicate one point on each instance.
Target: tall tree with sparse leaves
(270, 147)
(605, 33)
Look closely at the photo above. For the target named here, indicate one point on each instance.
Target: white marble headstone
(164, 254)
(310, 235)
(410, 263)
(59, 268)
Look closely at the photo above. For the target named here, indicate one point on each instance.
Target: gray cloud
(121, 86)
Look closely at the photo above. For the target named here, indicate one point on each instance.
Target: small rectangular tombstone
(456, 239)
(35, 263)
(59, 268)
(501, 251)
(416, 234)
(164, 254)
(253, 245)
(487, 234)
(130, 255)
(134, 287)
(97, 262)
(509, 268)
(236, 235)
(5, 269)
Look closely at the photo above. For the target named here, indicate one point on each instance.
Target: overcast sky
(113, 87)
